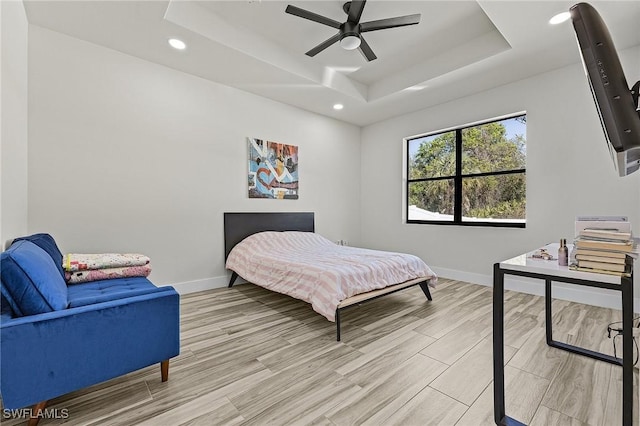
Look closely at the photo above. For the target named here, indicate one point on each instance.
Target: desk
(550, 271)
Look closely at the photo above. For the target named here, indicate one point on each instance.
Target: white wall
(13, 146)
(126, 155)
(569, 173)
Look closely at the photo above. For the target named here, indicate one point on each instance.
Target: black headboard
(238, 226)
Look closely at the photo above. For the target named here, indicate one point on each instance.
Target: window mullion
(406, 205)
(457, 208)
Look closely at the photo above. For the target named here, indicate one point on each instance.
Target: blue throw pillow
(48, 244)
(30, 280)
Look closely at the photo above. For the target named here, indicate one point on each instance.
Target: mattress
(312, 268)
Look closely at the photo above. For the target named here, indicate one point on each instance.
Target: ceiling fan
(350, 32)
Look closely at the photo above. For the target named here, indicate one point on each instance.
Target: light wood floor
(250, 356)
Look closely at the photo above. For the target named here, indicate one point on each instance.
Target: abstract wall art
(273, 170)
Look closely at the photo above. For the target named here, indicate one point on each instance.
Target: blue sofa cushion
(31, 282)
(48, 244)
(6, 313)
(107, 290)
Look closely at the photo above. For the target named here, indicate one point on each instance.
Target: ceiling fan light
(350, 42)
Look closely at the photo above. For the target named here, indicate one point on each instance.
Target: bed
(281, 252)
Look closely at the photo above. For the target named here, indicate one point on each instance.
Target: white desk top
(525, 263)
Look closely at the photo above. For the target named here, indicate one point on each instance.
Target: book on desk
(604, 247)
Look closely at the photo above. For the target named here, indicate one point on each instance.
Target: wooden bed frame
(238, 226)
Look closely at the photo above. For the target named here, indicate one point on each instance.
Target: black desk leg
(499, 412)
(627, 350)
(547, 312)
(498, 345)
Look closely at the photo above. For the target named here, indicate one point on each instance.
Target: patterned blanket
(78, 277)
(81, 262)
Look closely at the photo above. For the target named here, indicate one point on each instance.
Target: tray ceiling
(459, 47)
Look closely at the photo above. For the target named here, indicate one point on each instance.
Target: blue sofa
(55, 339)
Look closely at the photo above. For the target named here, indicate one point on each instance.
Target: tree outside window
(473, 175)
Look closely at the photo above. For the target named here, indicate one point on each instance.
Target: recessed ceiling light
(416, 88)
(338, 106)
(177, 44)
(560, 18)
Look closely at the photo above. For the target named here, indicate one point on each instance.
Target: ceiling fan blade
(382, 24)
(355, 10)
(319, 48)
(366, 50)
(293, 10)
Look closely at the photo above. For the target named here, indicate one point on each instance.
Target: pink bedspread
(309, 267)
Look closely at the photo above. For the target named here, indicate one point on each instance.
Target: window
(472, 175)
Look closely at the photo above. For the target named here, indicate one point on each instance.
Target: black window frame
(458, 177)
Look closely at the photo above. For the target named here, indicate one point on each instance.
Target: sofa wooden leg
(164, 370)
(35, 411)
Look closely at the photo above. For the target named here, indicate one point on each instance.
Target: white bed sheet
(309, 267)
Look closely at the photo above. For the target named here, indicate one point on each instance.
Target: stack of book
(602, 246)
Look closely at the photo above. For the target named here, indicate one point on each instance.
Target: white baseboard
(587, 295)
(194, 286)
